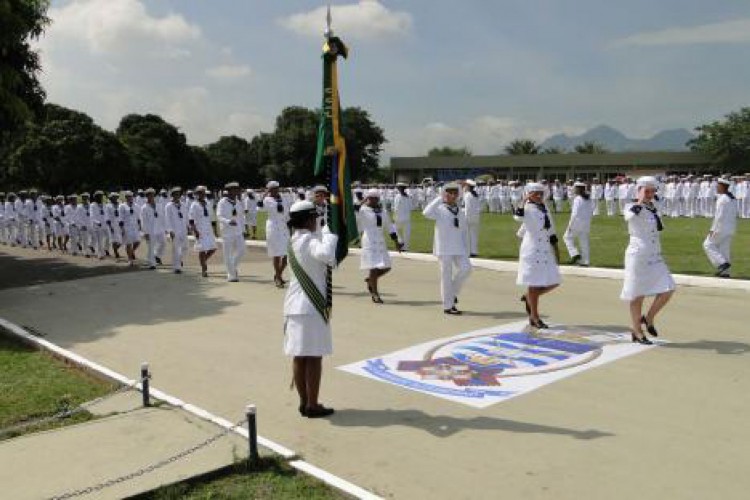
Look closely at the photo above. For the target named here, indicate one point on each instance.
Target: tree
(364, 142)
(294, 144)
(158, 150)
(21, 95)
(65, 150)
(728, 141)
(448, 151)
(231, 158)
(590, 148)
(553, 150)
(522, 147)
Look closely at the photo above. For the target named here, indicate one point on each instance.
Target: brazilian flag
(330, 159)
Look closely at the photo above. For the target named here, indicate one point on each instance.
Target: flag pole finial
(328, 33)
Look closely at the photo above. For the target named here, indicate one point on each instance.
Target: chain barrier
(68, 412)
(149, 468)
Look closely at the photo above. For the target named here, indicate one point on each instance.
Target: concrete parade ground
(667, 423)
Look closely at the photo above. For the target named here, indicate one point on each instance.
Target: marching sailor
(646, 273)
(718, 243)
(199, 217)
(450, 245)
(99, 226)
(251, 213)
(112, 211)
(177, 226)
(152, 225)
(472, 205)
(402, 207)
(374, 257)
(538, 256)
(579, 226)
(231, 215)
(277, 232)
(129, 227)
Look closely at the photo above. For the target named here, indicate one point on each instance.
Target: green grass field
(682, 241)
(33, 385)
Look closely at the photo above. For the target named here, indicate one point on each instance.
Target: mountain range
(615, 141)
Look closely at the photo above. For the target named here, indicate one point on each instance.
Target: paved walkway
(668, 423)
(52, 463)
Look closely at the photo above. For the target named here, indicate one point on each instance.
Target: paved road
(668, 423)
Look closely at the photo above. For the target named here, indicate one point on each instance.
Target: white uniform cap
(726, 182)
(647, 181)
(534, 187)
(201, 189)
(320, 189)
(176, 189)
(451, 186)
(302, 206)
(471, 183)
(230, 185)
(579, 184)
(372, 193)
(272, 184)
(401, 184)
(248, 190)
(150, 191)
(127, 193)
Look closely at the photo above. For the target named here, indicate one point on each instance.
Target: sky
(475, 73)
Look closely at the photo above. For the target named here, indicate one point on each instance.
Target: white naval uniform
(451, 248)
(718, 247)
(129, 222)
(251, 212)
(402, 207)
(473, 213)
(112, 210)
(537, 264)
(597, 192)
(99, 229)
(152, 225)
(305, 331)
(227, 212)
(374, 247)
(176, 218)
(277, 232)
(646, 273)
(82, 222)
(579, 228)
(200, 214)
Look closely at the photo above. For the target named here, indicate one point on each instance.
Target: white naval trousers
(450, 283)
(473, 233)
(404, 229)
(570, 238)
(234, 249)
(611, 204)
(100, 237)
(718, 248)
(179, 249)
(155, 245)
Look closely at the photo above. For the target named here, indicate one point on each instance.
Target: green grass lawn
(34, 384)
(270, 480)
(682, 241)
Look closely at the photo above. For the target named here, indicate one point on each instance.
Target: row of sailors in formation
(93, 225)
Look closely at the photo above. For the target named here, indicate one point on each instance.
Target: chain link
(149, 468)
(68, 412)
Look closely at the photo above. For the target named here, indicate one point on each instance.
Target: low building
(549, 166)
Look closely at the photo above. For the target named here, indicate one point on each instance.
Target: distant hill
(615, 141)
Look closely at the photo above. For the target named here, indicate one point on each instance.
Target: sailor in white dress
(538, 256)
(646, 273)
(450, 245)
(277, 231)
(307, 305)
(402, 208)
(579, 226)
(199, 217)
(374, 259)
(129, 225)
(718, 243)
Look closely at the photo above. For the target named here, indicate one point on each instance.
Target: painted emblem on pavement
(495, 364)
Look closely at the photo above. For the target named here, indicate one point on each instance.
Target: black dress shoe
(158, 260)
(538, 324)
(649, 328)
(574, 260)
(640, 339)
(303, 409)
(453, 311)
(319, 412)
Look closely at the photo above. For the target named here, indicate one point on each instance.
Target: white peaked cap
(579, 184)
(726, 182)
(534, 187)
(320, 189)
(471, 183)
(647, 181)
(372, 193)
(272, 184)
(302, 206)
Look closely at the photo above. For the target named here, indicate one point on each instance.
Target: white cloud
(736, 31)
(365, 19)
(228, 72)
(483, 135)
(116, 27)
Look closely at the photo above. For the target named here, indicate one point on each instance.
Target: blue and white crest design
(487, 366)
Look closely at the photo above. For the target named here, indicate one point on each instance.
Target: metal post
(145, 377)
(252, 433)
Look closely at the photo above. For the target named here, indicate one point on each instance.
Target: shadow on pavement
(444, 426)
(720, 346)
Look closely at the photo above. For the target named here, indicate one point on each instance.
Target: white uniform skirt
(206, 242)
(131, 236)
(277, 239)
(645, 275)
(375, 256)
(538, 268)
(307, 335)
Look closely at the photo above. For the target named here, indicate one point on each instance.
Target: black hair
(299, 220)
